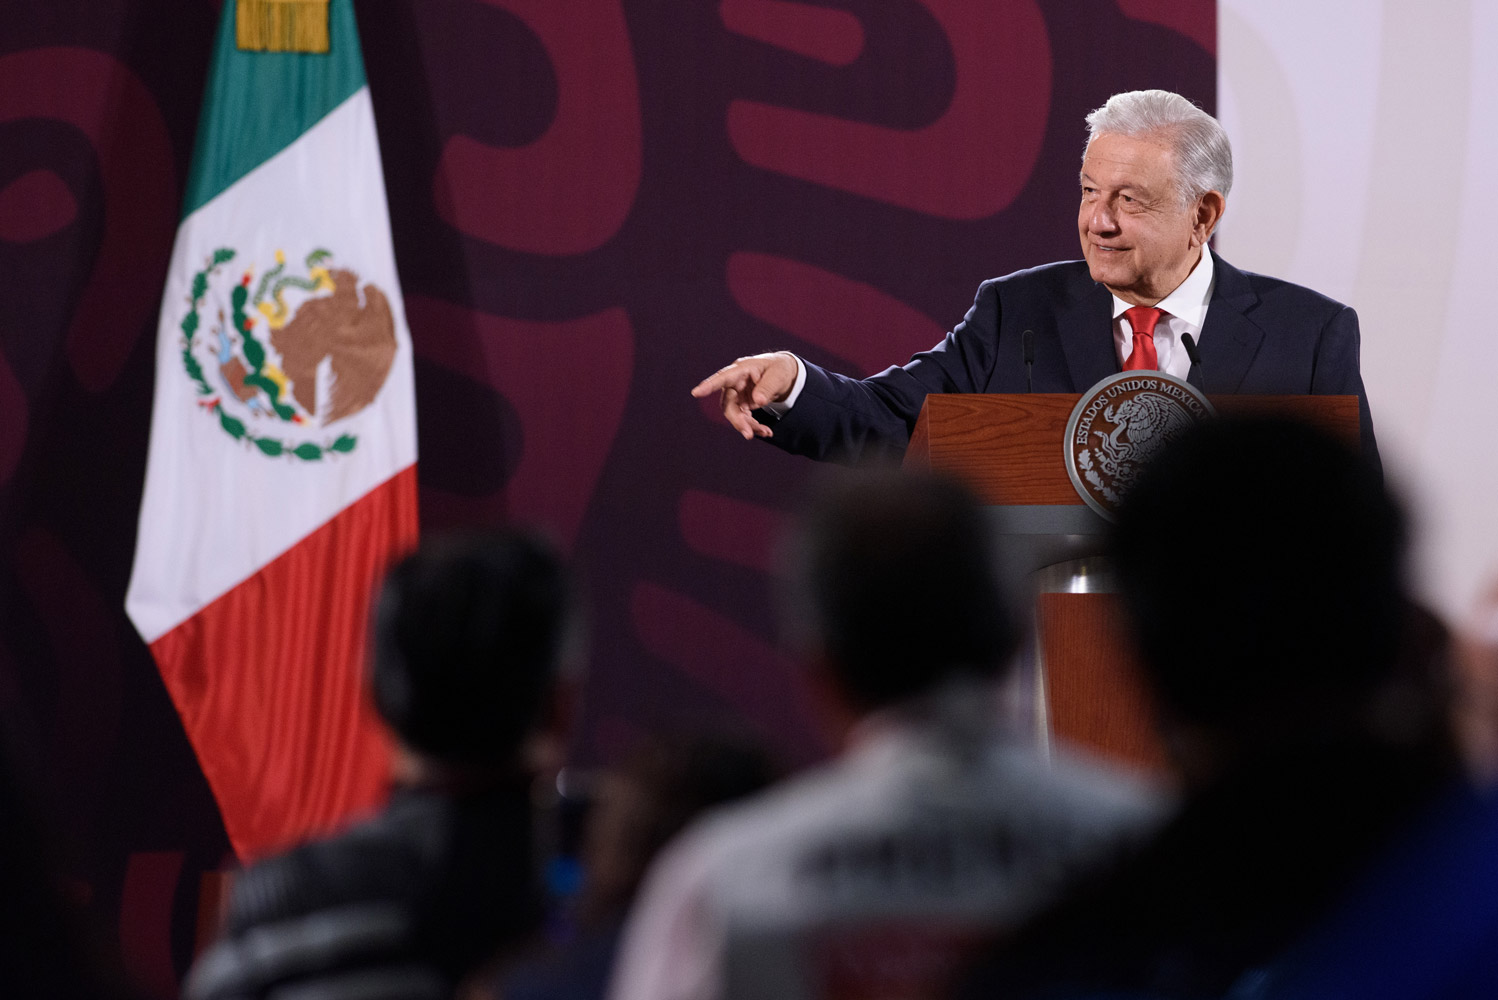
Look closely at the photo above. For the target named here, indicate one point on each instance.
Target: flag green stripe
(257, 103)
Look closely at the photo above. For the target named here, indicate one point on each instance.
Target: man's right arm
(845, 419)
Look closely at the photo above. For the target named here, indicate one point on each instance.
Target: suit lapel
(1084, 325)
(1229, 339)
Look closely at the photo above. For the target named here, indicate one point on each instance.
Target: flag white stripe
(216, 510)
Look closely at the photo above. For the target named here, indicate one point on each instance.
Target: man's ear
(1206, 215)
(545, 749)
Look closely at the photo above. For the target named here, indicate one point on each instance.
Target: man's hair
(1262, 565)
(468, 633)
(896, 584)
(1202, 153)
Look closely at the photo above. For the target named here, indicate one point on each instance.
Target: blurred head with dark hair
(468, 636)
(896, 589)
(1262, 565)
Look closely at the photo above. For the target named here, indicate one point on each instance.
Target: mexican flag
(281, 479)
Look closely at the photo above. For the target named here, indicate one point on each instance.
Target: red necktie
(1143, 320)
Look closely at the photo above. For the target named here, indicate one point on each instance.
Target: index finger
(718, 380)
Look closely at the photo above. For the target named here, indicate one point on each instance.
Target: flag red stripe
(268, 678)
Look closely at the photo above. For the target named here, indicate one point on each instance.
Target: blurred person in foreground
(1477, 684)
(871, 874)
(636, 808)
(468, 641)
(1329, 843)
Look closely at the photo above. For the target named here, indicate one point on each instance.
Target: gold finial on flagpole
(282, 25)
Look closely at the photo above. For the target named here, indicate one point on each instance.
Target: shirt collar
(1189, 300)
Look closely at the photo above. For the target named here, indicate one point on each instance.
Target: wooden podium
(1083, 684)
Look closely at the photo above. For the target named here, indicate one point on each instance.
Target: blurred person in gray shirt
(880, 869)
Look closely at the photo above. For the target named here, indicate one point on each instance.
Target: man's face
(1137, 238)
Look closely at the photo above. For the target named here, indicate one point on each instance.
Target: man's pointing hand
(748, 384)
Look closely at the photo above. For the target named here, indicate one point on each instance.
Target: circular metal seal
(1119, 425)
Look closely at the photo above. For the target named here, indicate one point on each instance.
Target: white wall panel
(1365, 137)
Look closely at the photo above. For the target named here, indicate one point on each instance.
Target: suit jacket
(1262, 336)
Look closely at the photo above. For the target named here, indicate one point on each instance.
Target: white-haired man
(1154, 183)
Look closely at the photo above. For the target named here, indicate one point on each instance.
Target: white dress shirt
(1186, 310)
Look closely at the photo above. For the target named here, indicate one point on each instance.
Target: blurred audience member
(1477, 688)
(636, 809)
(467, 641)
(871, 874)
(1309, 707)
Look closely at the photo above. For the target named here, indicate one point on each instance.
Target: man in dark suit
(1154, 181)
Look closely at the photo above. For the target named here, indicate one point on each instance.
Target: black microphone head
(1027, 344)
(1191, 351)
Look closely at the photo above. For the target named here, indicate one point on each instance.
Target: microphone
(1027, 345)
(1195, 356)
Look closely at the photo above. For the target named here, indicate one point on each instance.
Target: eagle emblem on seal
(280, 361)
(1119, 425)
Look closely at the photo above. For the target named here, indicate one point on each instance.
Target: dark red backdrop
(595, 203)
